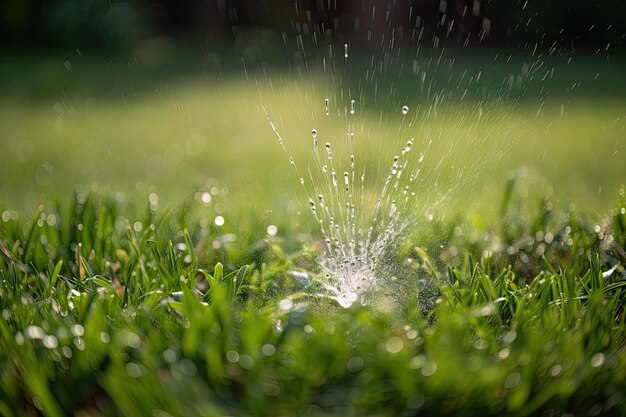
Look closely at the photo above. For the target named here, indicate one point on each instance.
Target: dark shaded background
(120, 24)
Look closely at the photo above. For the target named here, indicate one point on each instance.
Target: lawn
(158, 254)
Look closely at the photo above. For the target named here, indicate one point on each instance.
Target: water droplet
(35, 332)
(352, 103)
(597, 360)
(345, 50)
(355, 364)
(314, 134)
(326, 101)
(50, 342)
(285, 304)
(232, 356)
(405, 109)
(512, 380)
(268, 349)
(394, 344)
(78, 330)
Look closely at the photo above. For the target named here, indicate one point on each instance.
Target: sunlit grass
(104, 311)
(176, 140)
(157, 254)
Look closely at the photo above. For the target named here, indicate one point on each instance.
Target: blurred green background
(147, 97)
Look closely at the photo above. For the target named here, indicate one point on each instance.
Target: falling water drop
(314, 134)
(345, 50)
(345, 180)
(352, 103)
(326, 105)
(405, 109)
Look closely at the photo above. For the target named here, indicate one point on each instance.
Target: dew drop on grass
(77, 330)
(50, 342)
(355, 364)
(133, 370)
(394, 344)
(35, 332)
(429, 368)
(405, 109)
(232, 356)
(268, 350)
(105, 337)
(285, 304)
(597, 360)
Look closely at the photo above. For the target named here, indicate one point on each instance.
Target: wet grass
(176, 136)
(122, 292)
(105, 311)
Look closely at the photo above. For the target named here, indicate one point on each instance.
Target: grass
(128, 298)
(106, 319)
(137, 139)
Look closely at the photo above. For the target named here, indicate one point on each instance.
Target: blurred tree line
(114, 23)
